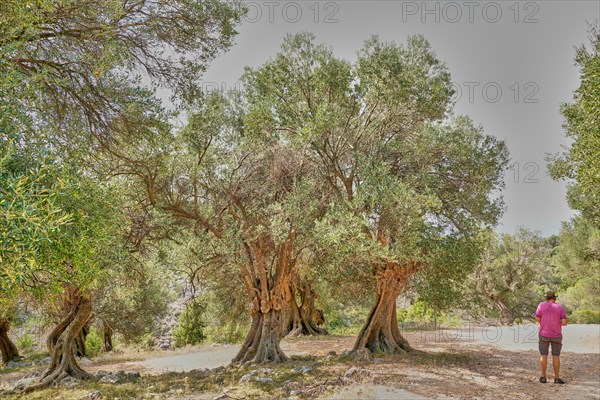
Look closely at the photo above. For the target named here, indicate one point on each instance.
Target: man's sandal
(559, 381)
(543, 379)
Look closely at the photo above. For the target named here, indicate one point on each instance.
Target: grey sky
(524, 49)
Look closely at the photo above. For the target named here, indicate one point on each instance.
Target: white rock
(93, 395)
(109, 379)
(70, 382)
(264, 380)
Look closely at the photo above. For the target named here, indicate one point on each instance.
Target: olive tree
(512, 272)
(401, 180)
(74, 266)
(579, 162)
(321, 162)
(29, 216)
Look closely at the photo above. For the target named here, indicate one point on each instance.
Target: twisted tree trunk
(262, 343)
(302, 318)
(508, 317)
(270, 295)
(62, 343)
(80, 340)
(108, 332)
(380, 333)
(7, 347)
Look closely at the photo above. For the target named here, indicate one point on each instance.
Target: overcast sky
(512, 64)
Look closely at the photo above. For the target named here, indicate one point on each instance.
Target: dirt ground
(467, 370)
(442, 369)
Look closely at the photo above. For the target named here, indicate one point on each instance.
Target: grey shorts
(545, 342)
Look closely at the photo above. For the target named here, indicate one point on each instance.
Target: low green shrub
(25, 343)
(585, 317)
(144, 342)
(420, 314)
(230, 332)
(93, 342)
(346, 321)
(191, 325)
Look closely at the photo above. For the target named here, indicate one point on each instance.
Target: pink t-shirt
(550, 315)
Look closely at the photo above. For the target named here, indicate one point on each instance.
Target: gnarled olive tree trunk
(380, 333)
(7, 347)
(302, 318)
(270, 295)
(508, 317)
(108, 333)
(62, 343)
(80, 350)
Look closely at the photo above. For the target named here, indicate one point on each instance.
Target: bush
(144, 341)
(345, 321)
(25, 343)
(93, 342)
(585, 317)
(190, 327)
(231, 332)
(420, 313)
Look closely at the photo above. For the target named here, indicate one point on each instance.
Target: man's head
(550, 295)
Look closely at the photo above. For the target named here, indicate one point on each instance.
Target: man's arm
(563, 322)
(563, 317)
(537, 320)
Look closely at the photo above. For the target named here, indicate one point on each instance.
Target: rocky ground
(441, 369)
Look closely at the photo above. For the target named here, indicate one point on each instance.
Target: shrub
(145, 341)
(585, 317)
(190, 327)
(93, 342)
(345, 321)
(231, 332)
(25, 343)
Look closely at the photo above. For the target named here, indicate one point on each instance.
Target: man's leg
(543, 365)
(543, 345)
(556, 348)
(555, 366)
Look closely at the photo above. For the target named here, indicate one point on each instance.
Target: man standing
(551, 317)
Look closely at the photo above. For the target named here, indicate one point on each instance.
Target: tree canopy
(579, 163)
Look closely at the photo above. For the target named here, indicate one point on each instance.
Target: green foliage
(585, 317)
(145, 341)
(230, 332)
(25, 343)
(579, 163)
(30, 218)
(344, 321)
(577, 263)
(418, 311)
(132, 304)
(511, 276)
(393, 179)
(78, 58)
(442, 283)
(94, 342)
(191, 326)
